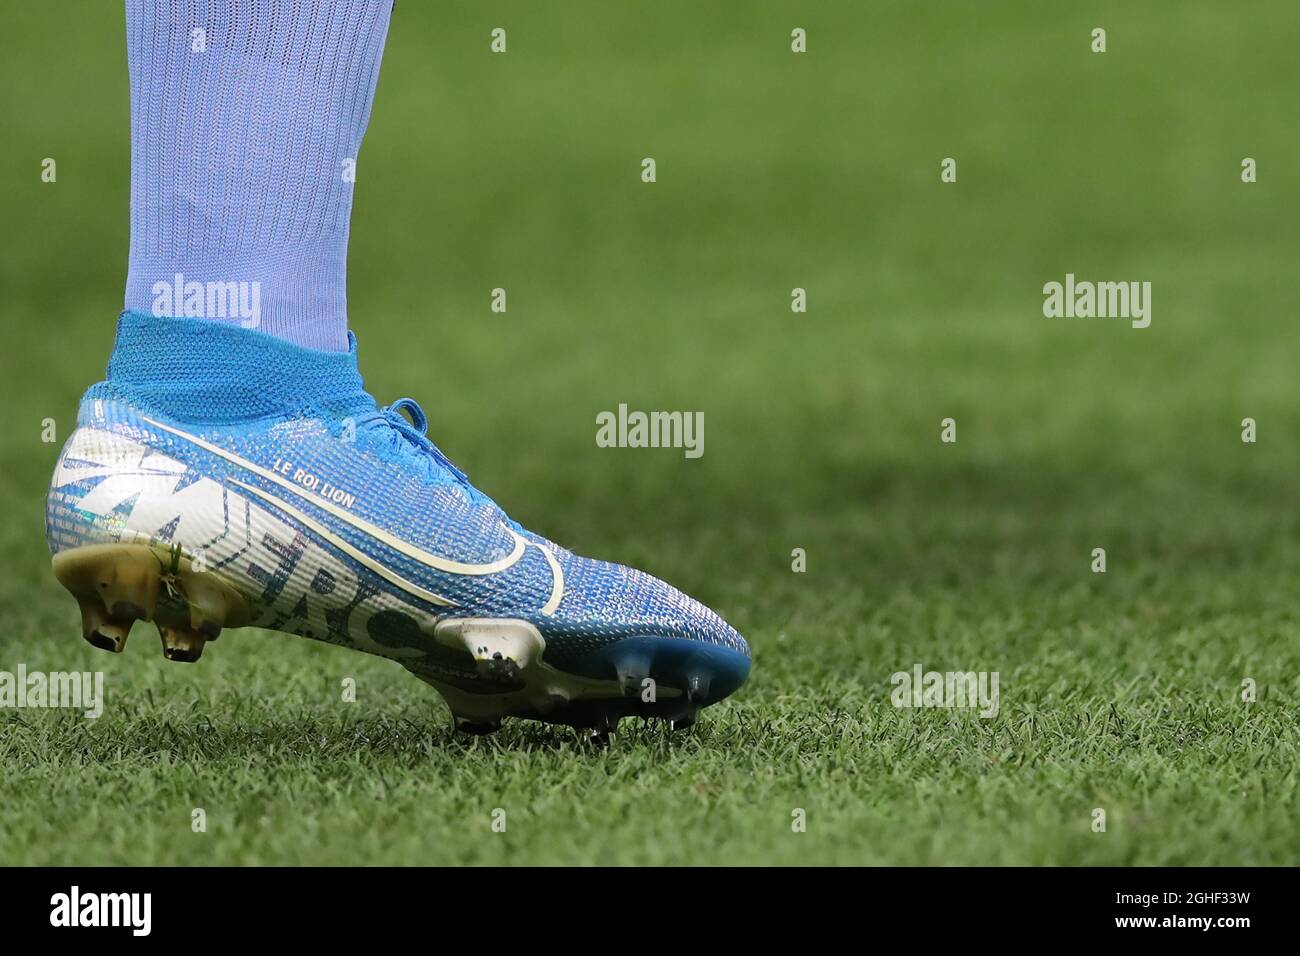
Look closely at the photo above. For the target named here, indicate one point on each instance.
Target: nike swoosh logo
(433, 561)
(390, 576)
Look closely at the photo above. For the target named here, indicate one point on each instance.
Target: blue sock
(246, 119)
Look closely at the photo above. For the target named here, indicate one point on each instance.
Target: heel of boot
(116, 585)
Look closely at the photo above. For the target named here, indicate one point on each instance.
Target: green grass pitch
(1120, 691)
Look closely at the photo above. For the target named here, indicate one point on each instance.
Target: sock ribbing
(241, 140)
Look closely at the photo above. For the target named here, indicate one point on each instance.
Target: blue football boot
(220, 477)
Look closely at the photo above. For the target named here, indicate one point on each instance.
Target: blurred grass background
(775, 170)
